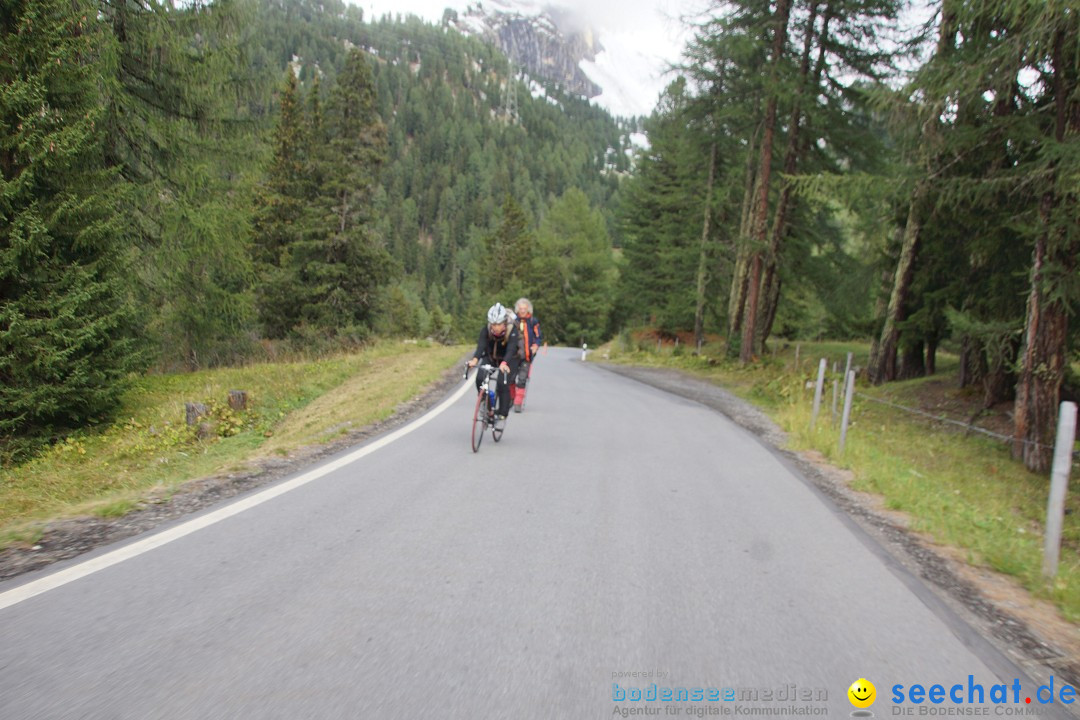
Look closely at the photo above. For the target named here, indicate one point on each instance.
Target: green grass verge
(107, 471)
(962, 490)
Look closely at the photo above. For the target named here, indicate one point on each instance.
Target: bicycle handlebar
(486, 366)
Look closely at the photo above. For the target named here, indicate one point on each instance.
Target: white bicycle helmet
(497, 314)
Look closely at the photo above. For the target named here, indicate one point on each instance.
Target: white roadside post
(817, 391)
(849, 390)
(835, 395)
(1059, 483)
(584, 349)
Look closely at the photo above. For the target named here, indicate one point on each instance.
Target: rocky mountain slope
(547, 42)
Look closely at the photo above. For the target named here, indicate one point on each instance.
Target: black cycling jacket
(496, 350)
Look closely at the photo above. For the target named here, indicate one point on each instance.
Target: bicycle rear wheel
(479, 421)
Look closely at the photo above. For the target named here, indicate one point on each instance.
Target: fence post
(798, 346)
(1059, 483)
(835, 386)
(847, 368)
(817, 391)
(849, 390)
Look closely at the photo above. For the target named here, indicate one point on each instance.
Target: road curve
(616, 529)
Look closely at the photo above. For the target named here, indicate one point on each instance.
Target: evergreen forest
(216, 182)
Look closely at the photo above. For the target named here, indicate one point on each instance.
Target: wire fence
(1059, 474)
(966, 426)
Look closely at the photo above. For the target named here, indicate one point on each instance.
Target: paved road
(615, 529)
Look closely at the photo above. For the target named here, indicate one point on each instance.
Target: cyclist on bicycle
(498, 346)
(529, 329)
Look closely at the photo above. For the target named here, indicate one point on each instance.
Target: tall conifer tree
(341, 262)
(66, 317)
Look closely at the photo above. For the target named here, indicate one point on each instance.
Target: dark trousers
(522, 375)
(502, 390)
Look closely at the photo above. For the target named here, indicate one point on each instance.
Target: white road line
(89, 567)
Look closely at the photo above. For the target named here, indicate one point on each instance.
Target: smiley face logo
(862, 693)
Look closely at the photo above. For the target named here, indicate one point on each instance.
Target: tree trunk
(737, 300)
(703, 255)
(761, 210)
(931, 356)
(796, 149)
(746, 348)
(741, 276)
(773, 284)
(912, 364)
(194, 411)
(968, 357)
(882, 366)
(344, 209)
(997, 384)
(1042, 366)
(1042, 362)
(881, 307)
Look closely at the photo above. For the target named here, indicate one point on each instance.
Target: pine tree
(340, 264)
(998, 154)
(661, 218)
(178, 126)
(279, 215)
(759, 211)
(67, 322)
(883, 365)
(780, 82)
(1053, 41)
(509, 252)
(574, 272)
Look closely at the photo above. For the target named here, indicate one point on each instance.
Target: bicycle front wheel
(479, 421)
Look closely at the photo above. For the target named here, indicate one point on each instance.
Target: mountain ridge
(550, 45)
(616, 57)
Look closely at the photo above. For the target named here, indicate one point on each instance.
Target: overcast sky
(643, 38)
(652, 18)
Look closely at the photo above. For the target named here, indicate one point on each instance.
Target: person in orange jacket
(531, 339)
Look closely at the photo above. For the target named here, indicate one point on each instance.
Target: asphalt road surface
(615, 529)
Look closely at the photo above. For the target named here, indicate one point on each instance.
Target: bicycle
(486, 402)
